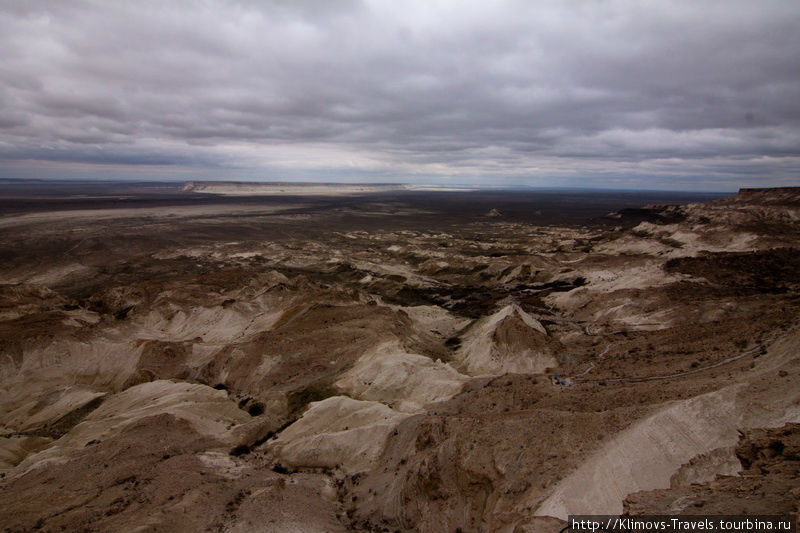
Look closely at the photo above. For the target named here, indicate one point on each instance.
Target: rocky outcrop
(337, 433)
(652, 450)
(768, 481)
(404, 381)
(509, 340)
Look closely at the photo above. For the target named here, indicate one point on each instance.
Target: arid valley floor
(393, 360)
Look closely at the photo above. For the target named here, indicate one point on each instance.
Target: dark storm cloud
(531, 92)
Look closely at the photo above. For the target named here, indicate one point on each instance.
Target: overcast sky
(695, 94)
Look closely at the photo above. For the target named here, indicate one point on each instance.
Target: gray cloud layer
(616, 93)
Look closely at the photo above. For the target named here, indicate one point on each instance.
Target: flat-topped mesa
(279, 188)
(784, 196)
(768, 213)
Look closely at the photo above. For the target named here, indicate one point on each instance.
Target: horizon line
(433, 186)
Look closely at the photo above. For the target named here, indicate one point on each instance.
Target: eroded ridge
(393, 362)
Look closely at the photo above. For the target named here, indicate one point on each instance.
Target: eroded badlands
(380, 365)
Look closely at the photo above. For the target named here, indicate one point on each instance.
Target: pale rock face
(678, 240)
(648, 454)
(405, 381)
(338, 432)
(705, 467)
(37, 412)
(435, 319)
(216, 325)
(208, 410)
(510, 340)
(15, 448)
